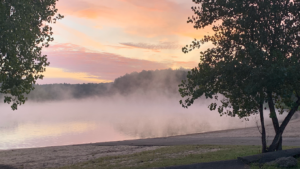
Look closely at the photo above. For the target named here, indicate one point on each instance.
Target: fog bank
(137, 105)
(129, 116)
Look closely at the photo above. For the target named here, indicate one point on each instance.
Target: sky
(98, 41)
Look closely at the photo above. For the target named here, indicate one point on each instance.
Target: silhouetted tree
(254, 60)
(24, 30)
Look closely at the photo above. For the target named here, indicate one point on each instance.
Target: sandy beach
(50, 157)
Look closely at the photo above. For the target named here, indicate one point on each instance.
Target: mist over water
(106, 119)
(141, 113)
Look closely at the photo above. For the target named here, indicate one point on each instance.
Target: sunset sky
(99, 41)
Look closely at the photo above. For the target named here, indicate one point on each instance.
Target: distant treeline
(67, 91)
(158, 82)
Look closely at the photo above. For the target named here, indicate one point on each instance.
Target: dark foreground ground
(229, 164)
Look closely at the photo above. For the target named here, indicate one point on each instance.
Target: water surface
(40, 124)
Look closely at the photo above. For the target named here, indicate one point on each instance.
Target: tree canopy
(254, 59)
(24, 31)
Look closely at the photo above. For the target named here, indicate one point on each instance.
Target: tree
(254, 60)
(24, 31)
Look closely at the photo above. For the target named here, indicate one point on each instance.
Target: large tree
(24, 31)
(254, 61)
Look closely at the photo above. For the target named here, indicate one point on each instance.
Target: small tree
(255, 60)
(24, 30)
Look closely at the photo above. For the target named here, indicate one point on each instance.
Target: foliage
(24, 31)
(159, 81)
(145, 83)
(51, 92)
(260, 166)
(255, 57)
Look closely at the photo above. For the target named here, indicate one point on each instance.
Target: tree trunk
(279, 146)
(263, 130)
(278, 136)
(274, 120)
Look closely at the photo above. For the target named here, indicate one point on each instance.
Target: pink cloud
(106, 66)
(159, 46)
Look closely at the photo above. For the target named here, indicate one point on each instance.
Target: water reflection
(29, 135)
(39, 124)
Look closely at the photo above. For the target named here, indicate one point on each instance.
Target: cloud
(88, 13)
(153, 5)
(69, 34)
(83, 9)
(119, 47)
(106, 66)
(159, 46)
(59, 75)
(143, 18)
(71, 61)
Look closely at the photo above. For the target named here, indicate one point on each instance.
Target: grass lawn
(172, 156)
(257, 166)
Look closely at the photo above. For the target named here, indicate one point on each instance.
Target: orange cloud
(144, 18)
(88, 13)
(55, 73)
(159, 46)
(153, 5)
(119, 47)
(76, 37)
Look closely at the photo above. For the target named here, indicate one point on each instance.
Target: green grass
(257, 166)
(170, 156)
